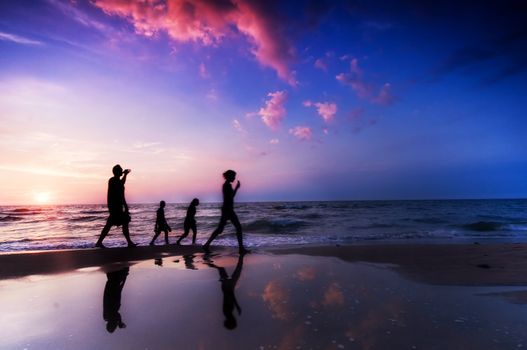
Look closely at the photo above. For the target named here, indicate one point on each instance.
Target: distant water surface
(273, 223)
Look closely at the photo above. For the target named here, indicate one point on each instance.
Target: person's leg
(126, 234)
(194, 232)
(104, 232)
(216, 232)
(239, 234)
(156, 234)
(166, 236)
(185, 233)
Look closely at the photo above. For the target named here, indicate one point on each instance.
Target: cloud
(333, 295)
(385, 96)
(363, 88)
(212, 95)
(209, 22)
(326, 110)
(203, 72)
(321, 64)
(303, 133)
(238, 127)
(274, 141)
(355, 79)
(276, 297)
(274, 111)
(19, 39)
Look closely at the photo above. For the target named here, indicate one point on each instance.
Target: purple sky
(306, 100)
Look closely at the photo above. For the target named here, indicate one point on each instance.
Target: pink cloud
(326, 110)
(274, 141)
(385, 96)
(274, 111)
(209, 22)
(321, 64)
(333, 295)
(303, 133)
(355, 79)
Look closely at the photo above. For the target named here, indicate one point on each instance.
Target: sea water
(268, 224)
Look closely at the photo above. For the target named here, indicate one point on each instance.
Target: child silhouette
(190, 222)
(161, 223)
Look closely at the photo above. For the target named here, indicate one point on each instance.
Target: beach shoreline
(444, 264)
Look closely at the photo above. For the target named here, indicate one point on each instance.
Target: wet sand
(349, 297)
(452, 264)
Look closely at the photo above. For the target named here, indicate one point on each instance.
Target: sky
(306, 100)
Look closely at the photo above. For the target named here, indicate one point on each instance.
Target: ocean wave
(273, 225)
(10, 218)
(85, 218)
(489, 226)
(483, 226)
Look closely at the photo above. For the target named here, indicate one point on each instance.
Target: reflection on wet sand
(112, 299)
(228, 284)
(287, 301)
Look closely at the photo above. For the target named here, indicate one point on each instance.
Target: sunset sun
(41, 197)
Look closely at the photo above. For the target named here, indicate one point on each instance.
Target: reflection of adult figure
(119, 215)
(112, 299)
(227, 211)
(227, 287)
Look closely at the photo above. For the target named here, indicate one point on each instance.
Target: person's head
(117, 170)
(229, 175)
(230, 322)
(194, 202)
(162, 204)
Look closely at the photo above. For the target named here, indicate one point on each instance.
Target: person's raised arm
(236, 189)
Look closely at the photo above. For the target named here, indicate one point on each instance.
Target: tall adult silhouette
(227, 212)
(112, 299)
(117, 206)
(228, 284)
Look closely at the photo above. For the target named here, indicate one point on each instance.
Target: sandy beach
(456, 264)
(397, 296)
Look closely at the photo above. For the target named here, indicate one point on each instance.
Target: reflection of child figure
(190, 222)
(161, 223)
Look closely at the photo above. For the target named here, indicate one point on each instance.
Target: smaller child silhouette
(161, 223)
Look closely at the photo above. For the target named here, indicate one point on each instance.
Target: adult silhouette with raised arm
(228, 284)
(161, 223)
(190, 222)
(227, 212)
(112, 299)
(117, 206)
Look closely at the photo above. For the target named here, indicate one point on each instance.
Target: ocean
(268, 224)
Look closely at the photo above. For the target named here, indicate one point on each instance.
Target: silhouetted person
(227, 287)
(112, 299)
(190, 222)
(119, 214)
(227, 212)
(161, 223)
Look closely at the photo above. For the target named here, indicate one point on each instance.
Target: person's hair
(162, 203)
(116, 169)
(195, 201)
(229, 174)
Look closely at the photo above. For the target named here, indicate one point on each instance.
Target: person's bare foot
(99, 245)
(132, 245)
